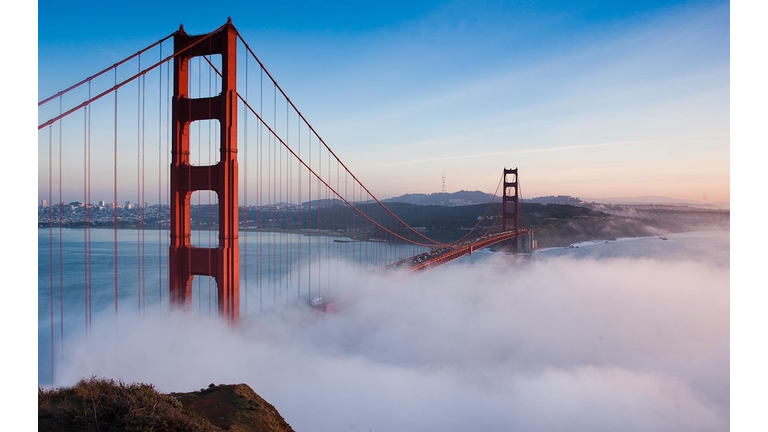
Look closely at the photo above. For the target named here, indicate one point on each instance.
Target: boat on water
(342, 241)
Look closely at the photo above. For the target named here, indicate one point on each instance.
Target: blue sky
(591, 99)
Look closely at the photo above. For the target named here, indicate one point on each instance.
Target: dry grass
(106, 405)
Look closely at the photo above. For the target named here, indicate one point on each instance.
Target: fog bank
(552, 344)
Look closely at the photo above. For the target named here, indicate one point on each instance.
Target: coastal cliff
(103, 404)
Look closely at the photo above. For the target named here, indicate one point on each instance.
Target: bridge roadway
(443, 255)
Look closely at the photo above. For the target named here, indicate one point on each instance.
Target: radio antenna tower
(443, 182)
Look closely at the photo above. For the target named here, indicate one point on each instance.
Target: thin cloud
(552, 149)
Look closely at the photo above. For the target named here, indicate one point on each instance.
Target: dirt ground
(234, 407)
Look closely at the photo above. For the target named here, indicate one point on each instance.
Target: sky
(591, 99)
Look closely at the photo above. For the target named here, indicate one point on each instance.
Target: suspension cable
(271, 131)
(483, 216)
(122, 83)
(90, 78)
(274, 134)
(331, 151)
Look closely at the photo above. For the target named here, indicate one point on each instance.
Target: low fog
(549, 344)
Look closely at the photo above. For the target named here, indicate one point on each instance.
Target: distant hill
(462, 198)
(322, 203)
(450, 199)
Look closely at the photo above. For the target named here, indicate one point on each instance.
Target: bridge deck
(444, 255)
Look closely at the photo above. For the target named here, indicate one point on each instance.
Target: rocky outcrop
(234, 407)
(104, 404)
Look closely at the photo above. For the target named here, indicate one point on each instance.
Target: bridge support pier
(186, 261)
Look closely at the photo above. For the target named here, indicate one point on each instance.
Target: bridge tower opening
(510, 207)
(185, 260)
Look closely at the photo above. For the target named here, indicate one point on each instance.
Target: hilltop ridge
(106, 404)
(449, 199)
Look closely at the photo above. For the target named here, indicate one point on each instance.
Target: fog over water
(630, 335)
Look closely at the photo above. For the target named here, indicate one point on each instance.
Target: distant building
(102, 203)
(128, 205)
(44, 203)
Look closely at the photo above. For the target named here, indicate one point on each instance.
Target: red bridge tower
(186, 261)
(509, 208)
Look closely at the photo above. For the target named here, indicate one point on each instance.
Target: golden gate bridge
(197, 125)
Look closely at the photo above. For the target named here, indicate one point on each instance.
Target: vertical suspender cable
(280, 218)
(278, 193)
(143, 194)
(159, 181)
(336, 220)
(85, 215)
(50, 240)
(210, 128)
(168, 149)
(270, 215)
(300, 212)
(138, 186)
(268, 185)
(245, 185)
(189, 126)
(346, 215)
(88, 229)
(61, 252)
(336, 214)
(318, 257)
(260, 194)
(321, 194)
(328, 225)
(273, 167)
(114, 201)
(309, 228)
(288, 190)
(363, 223)
(199, 198)
(213, 154)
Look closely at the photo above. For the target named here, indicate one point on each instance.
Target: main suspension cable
(331, 151)
(122, 83)
(114, 66)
